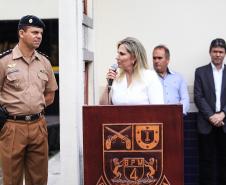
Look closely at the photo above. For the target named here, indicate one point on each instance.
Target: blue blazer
(205, 97)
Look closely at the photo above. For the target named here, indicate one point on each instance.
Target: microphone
(114, 68)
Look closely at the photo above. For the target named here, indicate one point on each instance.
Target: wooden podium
(133, 145)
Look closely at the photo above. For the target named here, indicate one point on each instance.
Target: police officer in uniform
(27, 86)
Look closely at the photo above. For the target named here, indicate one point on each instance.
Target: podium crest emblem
(133, 153)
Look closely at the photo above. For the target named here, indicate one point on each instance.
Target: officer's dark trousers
(24, 152)
(212, 157)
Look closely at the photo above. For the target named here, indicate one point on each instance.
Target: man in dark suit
(210, 99)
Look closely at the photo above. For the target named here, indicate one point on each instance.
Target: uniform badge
(133, 154)
(12, 65)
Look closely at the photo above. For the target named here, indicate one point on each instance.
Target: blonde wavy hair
(136, 49)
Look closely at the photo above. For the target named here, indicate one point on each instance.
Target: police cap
(30, 20)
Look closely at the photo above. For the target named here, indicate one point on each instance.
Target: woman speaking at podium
(130, 81)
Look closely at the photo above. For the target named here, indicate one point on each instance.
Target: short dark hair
(218, 43)
(167, 52)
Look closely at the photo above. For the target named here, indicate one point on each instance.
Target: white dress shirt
(217, 75)
(146, 90)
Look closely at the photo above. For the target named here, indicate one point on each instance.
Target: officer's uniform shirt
(23, 83)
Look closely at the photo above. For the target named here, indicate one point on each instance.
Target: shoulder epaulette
(43, 54)
(5, 53)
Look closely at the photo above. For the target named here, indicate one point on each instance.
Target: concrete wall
(12, 10)
(185, 26)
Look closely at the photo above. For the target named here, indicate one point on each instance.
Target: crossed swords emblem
(119, 135)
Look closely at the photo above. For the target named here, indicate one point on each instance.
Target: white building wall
(13, 9)
(185, 26)
(71, 90)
